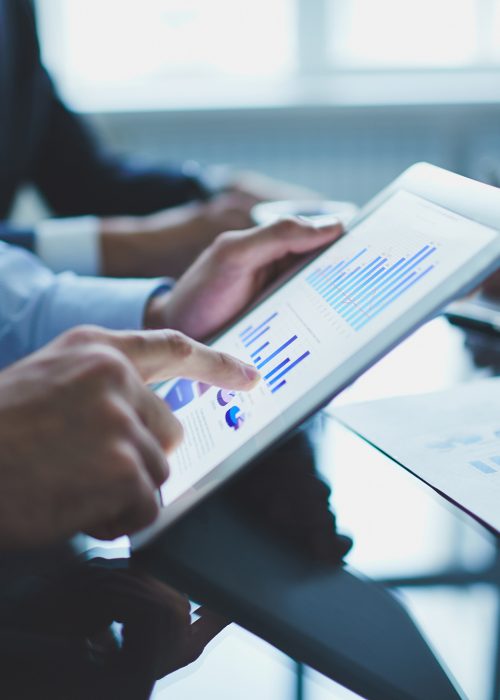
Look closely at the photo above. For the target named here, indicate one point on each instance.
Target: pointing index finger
(163, 354)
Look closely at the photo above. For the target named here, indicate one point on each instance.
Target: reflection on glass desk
(95, 627)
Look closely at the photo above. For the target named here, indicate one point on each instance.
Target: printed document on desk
(450, 440)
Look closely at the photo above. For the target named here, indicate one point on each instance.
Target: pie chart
(235, 418)
(224, 397)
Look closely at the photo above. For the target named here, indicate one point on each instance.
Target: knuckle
(126, 469)
(83, 335)
(180, 345)
(173, 437)
(107, 365)
(290, 223)
(225, 364)
(224, 246)
(114, 418)
(138, 342)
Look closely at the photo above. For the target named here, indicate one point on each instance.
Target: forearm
(37, 305)
(166, 243)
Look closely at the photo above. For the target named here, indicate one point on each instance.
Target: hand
(65, 618)
(265, 188)
(167, 242)
(158, 636)
(83, 441)
(231, 273)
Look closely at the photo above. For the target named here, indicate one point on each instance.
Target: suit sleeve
(78, 176)
(18, 236)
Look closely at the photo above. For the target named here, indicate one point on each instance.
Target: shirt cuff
(70, 244)
(111, 303)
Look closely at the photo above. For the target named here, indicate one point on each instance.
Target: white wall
(347, 153)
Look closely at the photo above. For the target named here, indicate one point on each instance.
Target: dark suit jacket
(45, 144)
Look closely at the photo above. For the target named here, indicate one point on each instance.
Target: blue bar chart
(361, 287)
(272, 357)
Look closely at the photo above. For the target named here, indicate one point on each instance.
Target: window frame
(315, 82)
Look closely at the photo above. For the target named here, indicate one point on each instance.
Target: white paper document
(450, 439)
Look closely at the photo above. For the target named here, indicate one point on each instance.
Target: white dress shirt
(70, 244)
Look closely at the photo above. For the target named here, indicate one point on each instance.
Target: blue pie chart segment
(235, 418)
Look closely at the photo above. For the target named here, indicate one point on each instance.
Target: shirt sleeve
(69, 244)
(37, 305)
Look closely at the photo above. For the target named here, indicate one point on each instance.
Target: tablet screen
(315, 322)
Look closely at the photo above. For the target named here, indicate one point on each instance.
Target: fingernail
(251, 373)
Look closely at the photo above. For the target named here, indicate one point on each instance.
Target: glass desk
(89, 624)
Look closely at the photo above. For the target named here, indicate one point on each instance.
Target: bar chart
(273, 351)
(361, 287)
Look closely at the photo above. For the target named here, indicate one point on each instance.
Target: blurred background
(339, 95)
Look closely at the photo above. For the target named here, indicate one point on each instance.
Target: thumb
(258, 247)
(164, 354)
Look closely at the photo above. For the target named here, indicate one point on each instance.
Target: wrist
(156, 313)
(118, 241)
(152, 245)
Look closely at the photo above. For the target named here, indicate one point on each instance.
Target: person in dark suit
(119, 219)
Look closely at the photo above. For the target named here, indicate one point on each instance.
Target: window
(409, 34)
(133, 50)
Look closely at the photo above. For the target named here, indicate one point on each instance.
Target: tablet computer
(428, 237)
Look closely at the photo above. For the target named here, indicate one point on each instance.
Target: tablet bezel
(468, 198)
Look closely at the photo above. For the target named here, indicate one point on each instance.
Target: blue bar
(324, 281)
(345, 280)
(482, 466)
(332, 284)
(282, 374)
(354, 299)
(393, 296)
(362, 274)
(371, 312)
(319, 272)
(247, 344)
(316, 272)
(342, 266)
(278, 387)
(264, 323)
(262, 347)
(330, 270)
(353, 294)
(383, 288)
(381, 282)
(368, 312)
(257, 359)
(277, 369)
(246, 331)
(396, 275)
(277, 352)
